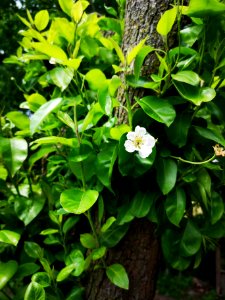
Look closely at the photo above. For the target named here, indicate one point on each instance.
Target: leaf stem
(194, 162)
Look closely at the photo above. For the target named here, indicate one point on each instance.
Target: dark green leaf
(217, 207)
(158, 109)
(166, 174)
(113, 235)
(191, 240)
(141, 204)
(42, 278)
(175, 205)
(33, 250)
(27, 209)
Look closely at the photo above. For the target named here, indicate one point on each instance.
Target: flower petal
(140, 131)
(149, 140)
(129, 146)
(131, 135)
(145, 152)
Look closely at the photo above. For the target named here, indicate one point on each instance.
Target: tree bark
(139, 250)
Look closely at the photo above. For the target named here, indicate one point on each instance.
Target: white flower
(140, 140)
(52, 61)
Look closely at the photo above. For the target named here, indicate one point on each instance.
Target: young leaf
(42, 113)
(108, 223)
(66, 6)
(158, 109)
(175, 205)
(188, 77)
(118, 50)
(88, 241)
(65, 272)
(166, 21)
(166, 174)
(204, 8)
(42, 278)
(118, 276)
(41, 20)
(34, 291)
(13, 153)
(7, 270)
(134, 52)
(77, 201)
(139, 60)
(9, 237)
(96, 79)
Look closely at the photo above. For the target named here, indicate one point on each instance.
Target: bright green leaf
(7, 270)
(88, 241)
(9, 237)
(42, 278)
(34, 291)
(41, 20)
(166, 21)
(77, 201)
(118, 276)
(188, 77)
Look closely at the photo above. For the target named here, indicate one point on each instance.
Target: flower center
(138, 142)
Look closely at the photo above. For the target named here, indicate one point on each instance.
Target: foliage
(69, 188)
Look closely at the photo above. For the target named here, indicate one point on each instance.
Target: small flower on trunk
(140, 140)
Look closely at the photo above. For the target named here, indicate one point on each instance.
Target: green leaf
(210, 135)
(42, 278)
(70, 223)
(175, 205)
(171, 250)
(27, 269)
(66, 119)
(178, 130)
(195, 94)
(166, 21)
(42, 113)
(88, 241)
(77, 11)
(19, 119)
(49, 231)
(131, 164)
(105, 100)
(96, 79)
(113, 235)
(66, 6)
(158, 109)
(7, 270)
(134, 52)
(105, 163)
(98, 253)
(41, 20)
(76, 293)
(118, 50)
(9, 237)
(118, 276)
(139, 60)
(61, 77)
(141, 204)
(118, 131)
(52, 51)
(65, 272)
(77, 201)
(191, 240)
(33, 250)
(76, 257)
(108, 224)
(13, 153)
(188, 77)
(166, 174)
(217, 207)
(203, 8)
(34, 291)
(27, 209)
(110, 10)
(54, 140)
(141, 82)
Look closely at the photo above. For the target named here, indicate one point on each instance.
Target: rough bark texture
(139, 249)
(138, 252)
(141, 19)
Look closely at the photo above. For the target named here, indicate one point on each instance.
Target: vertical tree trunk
(139, 249)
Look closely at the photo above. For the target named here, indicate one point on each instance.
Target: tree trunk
(139, 250)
